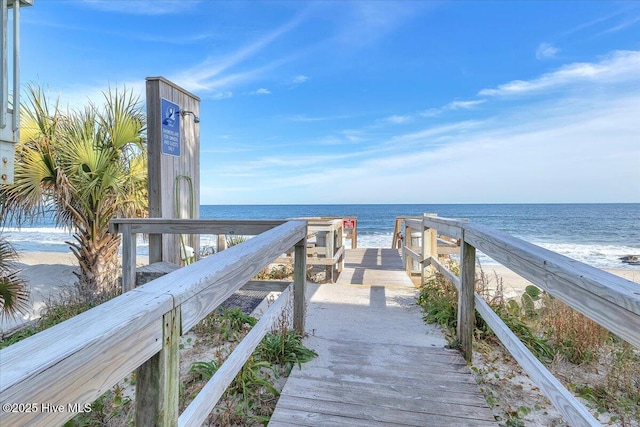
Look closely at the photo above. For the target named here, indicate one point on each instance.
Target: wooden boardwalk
(378, 363)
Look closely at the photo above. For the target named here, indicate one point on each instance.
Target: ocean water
(596, 234)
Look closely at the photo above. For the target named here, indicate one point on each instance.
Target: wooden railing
(609, 300)
(325, 245)
(328, 248)
(48, 378)
(415, 239)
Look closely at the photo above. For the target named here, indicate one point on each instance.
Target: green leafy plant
(14, 294)
(529, 297)
(232, 321)
(204, 370)
(285, 349)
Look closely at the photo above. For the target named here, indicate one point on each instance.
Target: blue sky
(372, 102)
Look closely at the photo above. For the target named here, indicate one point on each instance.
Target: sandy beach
(49, 273)
(514, 285)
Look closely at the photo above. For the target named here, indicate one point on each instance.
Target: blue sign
(170, 115)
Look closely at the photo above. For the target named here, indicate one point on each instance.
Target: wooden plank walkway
(378, 363)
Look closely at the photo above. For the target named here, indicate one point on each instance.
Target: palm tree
(14, 295)
(88, 167)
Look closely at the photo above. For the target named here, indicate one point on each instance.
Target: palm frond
(14, 294)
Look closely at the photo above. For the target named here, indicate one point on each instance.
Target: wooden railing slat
(445, 272)
(570, 408)
(209, 395)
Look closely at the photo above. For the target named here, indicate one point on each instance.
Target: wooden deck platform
(378, 363)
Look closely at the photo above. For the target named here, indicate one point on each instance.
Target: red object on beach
(349, 223)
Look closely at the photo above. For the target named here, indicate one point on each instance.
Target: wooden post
(407, 242)
(340, 245)
(331, 250)
(222, 242)
(155, 248)
(429, 246)
(466, 308)
(299, 284)
(157, 380)
(128, 258)
(354, 235)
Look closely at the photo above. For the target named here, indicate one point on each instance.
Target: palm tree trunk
(99, 264)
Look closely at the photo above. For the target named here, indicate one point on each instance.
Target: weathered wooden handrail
(131, 227)
(609, 300)
(200, 226)
(73, 363)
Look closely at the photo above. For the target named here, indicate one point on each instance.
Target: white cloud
(464, 105)
(367, 22)
(618, 66)
(261, 91)
(398, 120)
(223, 95)
(299, 79)
(431, 133)
(209, 75)
(354, 135)
(546, 51)
(431, 112)
(628, 23)
(454, 105)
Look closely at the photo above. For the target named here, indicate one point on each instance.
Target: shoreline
(50, 273)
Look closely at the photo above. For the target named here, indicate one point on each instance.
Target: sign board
(349, 223)
(170, 114)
